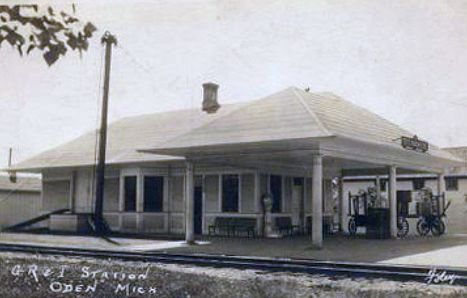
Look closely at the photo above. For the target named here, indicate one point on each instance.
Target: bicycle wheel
(438, 227)
(443, 227)
(402, 227)
(352, 226)
(422, 227)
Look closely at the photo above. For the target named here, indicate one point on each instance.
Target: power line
(134, 60)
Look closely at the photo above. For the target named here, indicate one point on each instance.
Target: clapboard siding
(176, 190)
(212, 193)
(55, 195)
(16, 207)
(111, 194)
(248, 193)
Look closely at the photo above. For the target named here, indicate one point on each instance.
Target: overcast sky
(405, 60)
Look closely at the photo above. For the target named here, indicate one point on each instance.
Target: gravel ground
(25, 275)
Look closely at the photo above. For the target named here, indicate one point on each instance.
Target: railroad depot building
(176, 172)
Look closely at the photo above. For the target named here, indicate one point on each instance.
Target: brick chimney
(210, 104)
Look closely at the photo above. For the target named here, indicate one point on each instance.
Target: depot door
(403, 200)
(198, 218)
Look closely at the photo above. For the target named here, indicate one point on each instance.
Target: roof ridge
(311, 112)
(129, 117)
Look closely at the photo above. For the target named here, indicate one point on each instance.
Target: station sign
(414, 143)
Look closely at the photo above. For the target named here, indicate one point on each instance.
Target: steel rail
(308, 266)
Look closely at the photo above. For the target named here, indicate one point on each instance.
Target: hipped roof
(294, 114)
(123, 138)
(290, 114)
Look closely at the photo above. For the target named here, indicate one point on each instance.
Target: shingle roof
(460, 152)
(21, 184)
(282, 115)
(291, 114)
(125, 136)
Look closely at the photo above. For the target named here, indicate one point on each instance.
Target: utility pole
(11, 174)
(100, 226)
(10, 154)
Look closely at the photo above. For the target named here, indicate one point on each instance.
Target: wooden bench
(245, 225)
(222, 225)
(233, 226)
(285, 227)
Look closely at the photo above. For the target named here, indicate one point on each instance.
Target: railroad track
(308, 266)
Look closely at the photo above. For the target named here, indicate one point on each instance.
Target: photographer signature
(436, 277)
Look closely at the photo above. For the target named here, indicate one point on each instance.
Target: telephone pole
(11, 174)
(100, 227)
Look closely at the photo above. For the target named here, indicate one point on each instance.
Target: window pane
(130, 193)
(298, 181)
(153, 193)
(418, 183)
(383, 184)
(452, 184)
(229, 193)
(276, 192)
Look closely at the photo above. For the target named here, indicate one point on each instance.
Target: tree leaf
(30, 48)
(89, 29)
(51, 56)
(20, 49)
(71, 20)
(50, 32)
(14, 38)
(72, 41)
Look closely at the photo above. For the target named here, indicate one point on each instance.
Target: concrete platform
(449, 250)
(455, 256)
(89, 242)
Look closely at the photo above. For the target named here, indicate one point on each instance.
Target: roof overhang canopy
(285, 128)
(339, 152)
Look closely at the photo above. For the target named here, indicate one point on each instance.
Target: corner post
(189, 203)
(441, 183)
(341, 203)
(393, 201)
(317, 202)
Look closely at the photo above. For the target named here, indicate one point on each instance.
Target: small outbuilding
(20, 199)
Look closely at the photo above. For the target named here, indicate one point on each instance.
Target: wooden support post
(189, 203)
(341, 203)
(392, 196)
(317, 202)
(441, 183)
